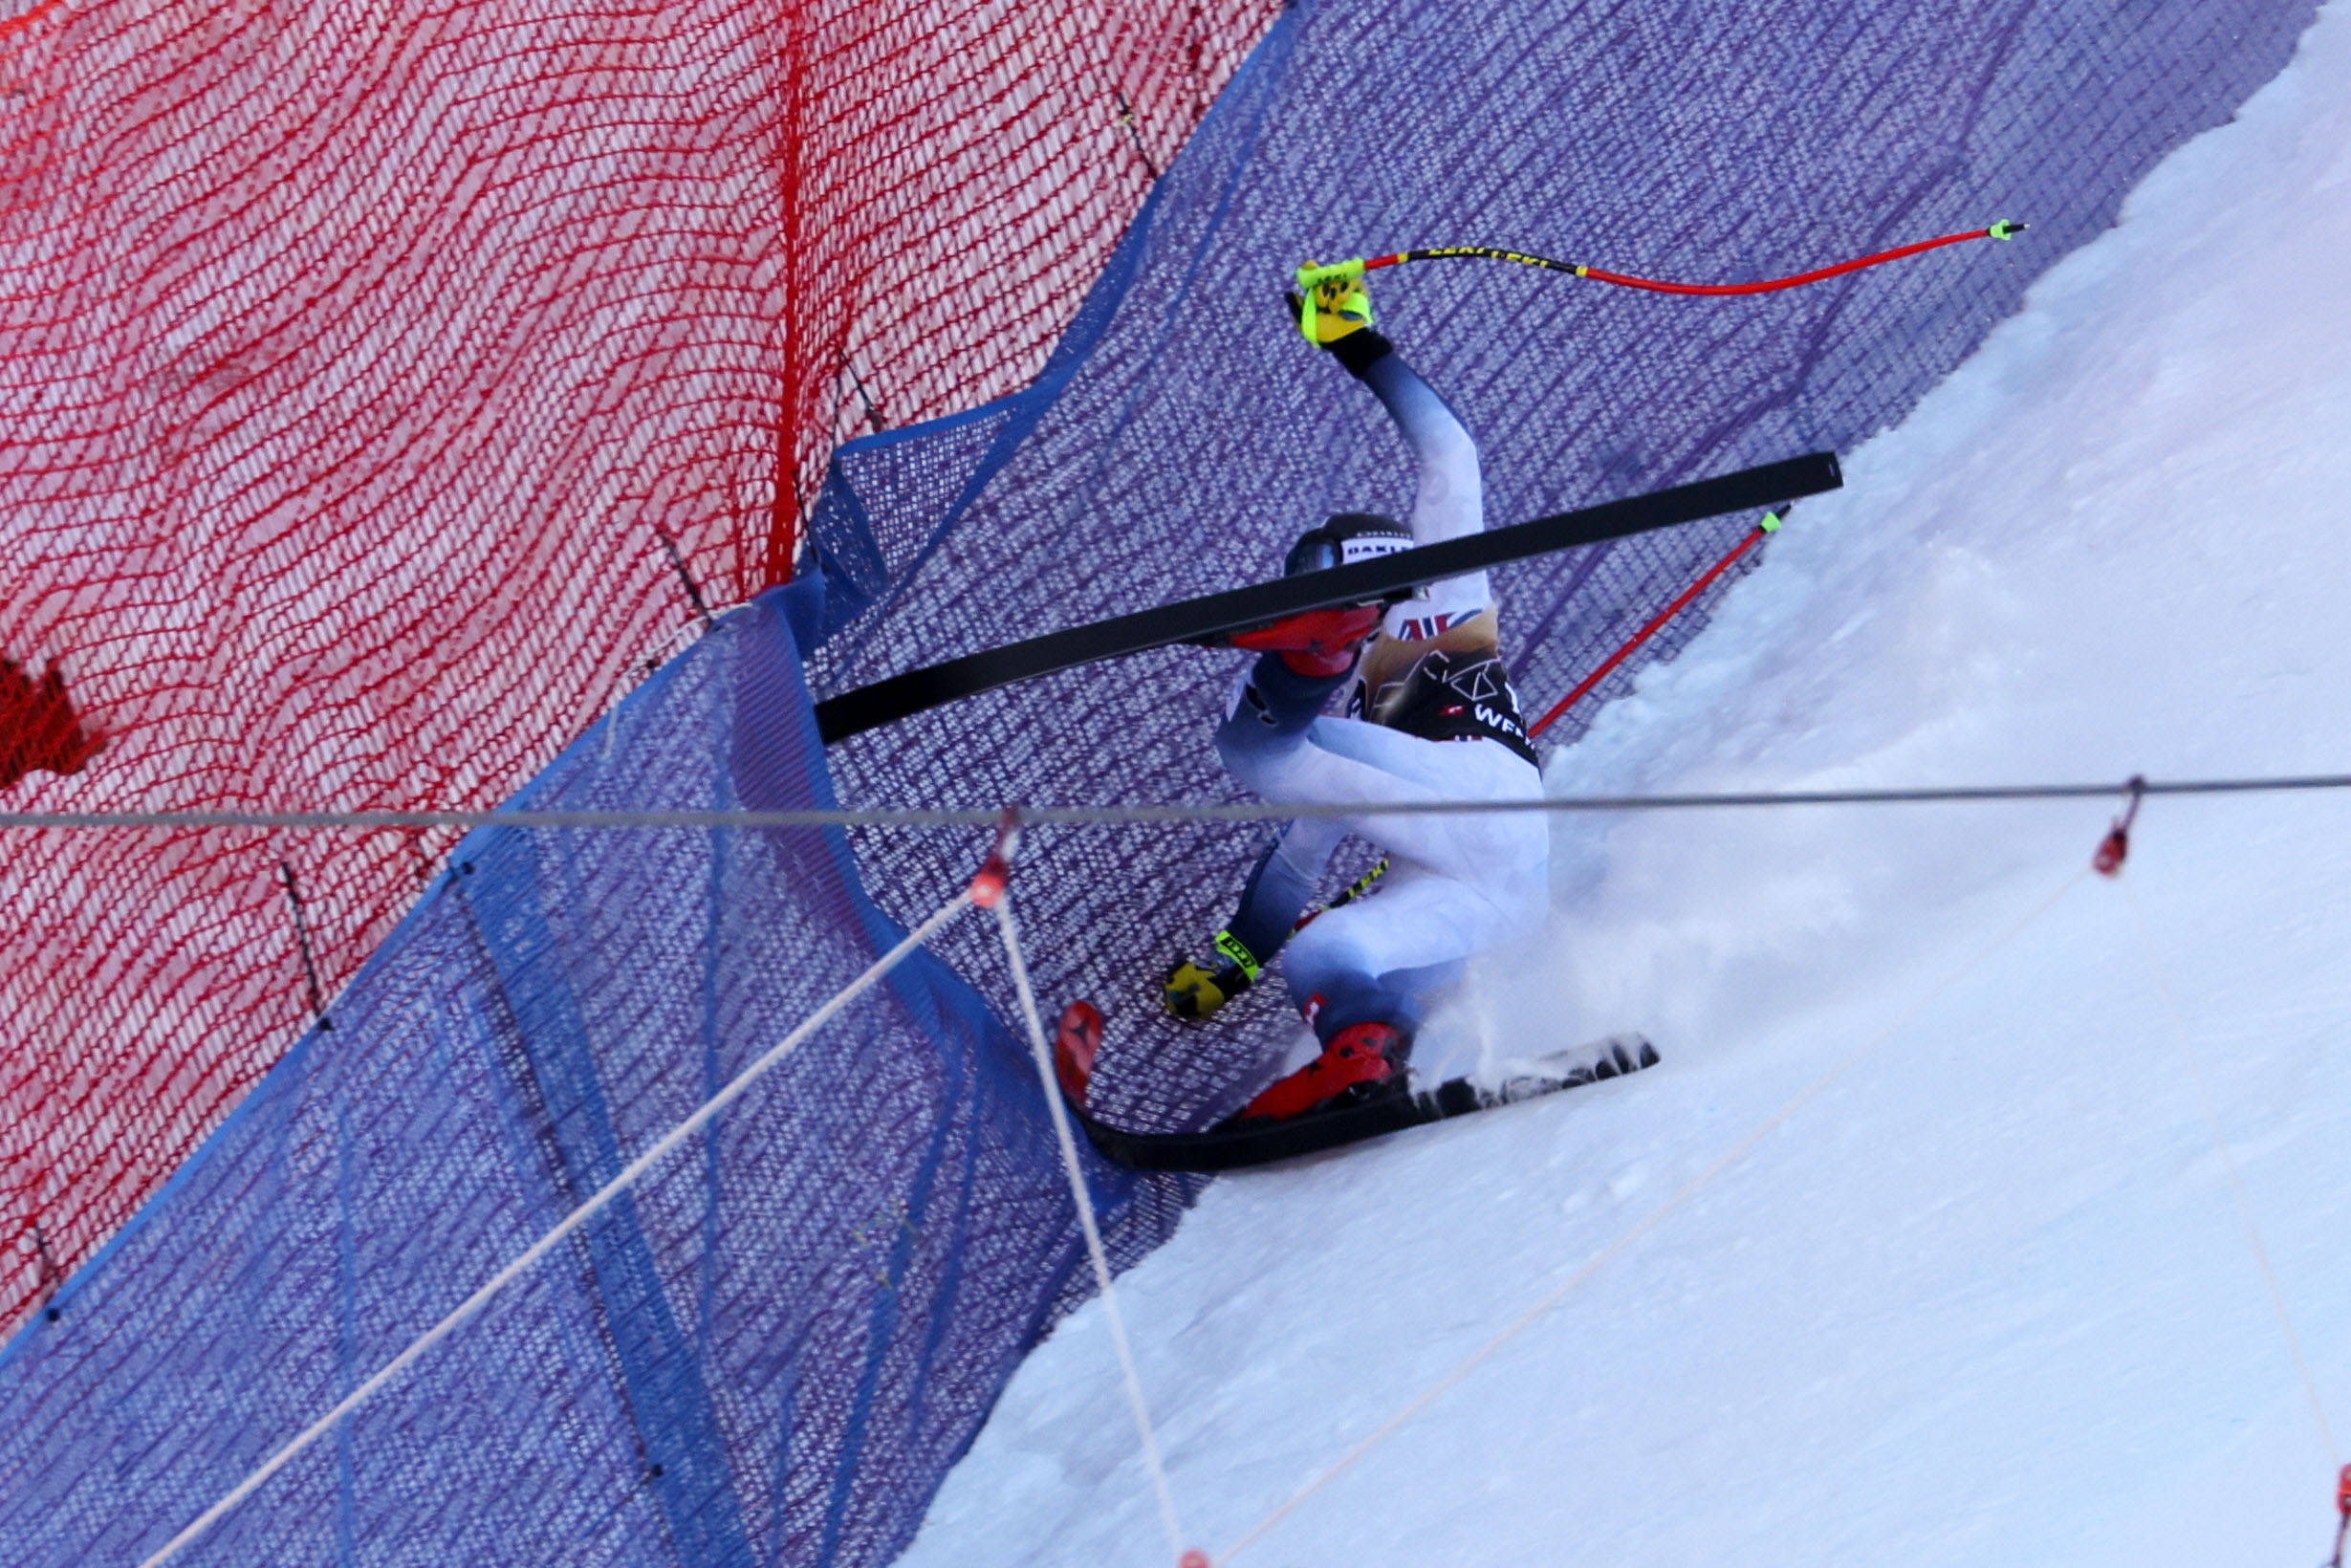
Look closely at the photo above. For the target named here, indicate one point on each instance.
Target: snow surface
(1987, 1298)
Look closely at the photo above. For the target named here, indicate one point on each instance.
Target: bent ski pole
(2001, 230)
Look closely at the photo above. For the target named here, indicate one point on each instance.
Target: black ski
(1234, 1145)
(1213, 617)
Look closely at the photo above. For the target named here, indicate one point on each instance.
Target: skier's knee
(1316, 955)
(1350, 999)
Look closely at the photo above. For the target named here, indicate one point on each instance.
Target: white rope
(1086, 1222)
(571, 1222)
(2236, 1179)
(1616, 1249)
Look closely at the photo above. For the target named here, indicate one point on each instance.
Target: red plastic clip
(988, 886)
(2342, 1503)
(2115, 849)
(1193, 1558)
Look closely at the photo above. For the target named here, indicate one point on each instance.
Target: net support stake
(52, 1277)
(1134, 131)
(873, 409)
(301, 938)
(677, 563)
(995, 876)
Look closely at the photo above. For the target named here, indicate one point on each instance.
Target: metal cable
(1180, 810)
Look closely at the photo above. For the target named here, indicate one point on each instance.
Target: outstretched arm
(1448, 500)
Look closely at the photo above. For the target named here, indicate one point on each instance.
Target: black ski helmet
(1348, 537)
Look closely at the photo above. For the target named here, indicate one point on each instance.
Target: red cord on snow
(2115, 849)
(2342, 1506)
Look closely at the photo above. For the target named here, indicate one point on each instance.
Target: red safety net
(384, 385)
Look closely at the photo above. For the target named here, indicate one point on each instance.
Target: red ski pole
(1584, 688)
(2001, 230)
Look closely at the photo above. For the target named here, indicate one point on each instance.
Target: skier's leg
(1380, 958)
(1282, 885)
(1460, 883)
(1271, 709)
(1278, 889)
(1362, 975)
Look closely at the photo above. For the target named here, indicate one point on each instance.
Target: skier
(1430, 715)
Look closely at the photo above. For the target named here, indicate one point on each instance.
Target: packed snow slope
(1987, 1297)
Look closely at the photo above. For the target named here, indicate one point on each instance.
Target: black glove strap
(1360, 351)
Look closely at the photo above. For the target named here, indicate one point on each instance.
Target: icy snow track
(1987, 1298)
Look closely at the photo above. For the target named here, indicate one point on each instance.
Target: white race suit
(1458, 884)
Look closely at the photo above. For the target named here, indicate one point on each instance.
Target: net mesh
(386, 386)
(768, 1352)
(1185, 434)
(270, 570)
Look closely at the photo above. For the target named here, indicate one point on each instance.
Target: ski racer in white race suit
(1430, 715)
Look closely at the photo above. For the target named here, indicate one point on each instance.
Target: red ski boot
(1361, 1060)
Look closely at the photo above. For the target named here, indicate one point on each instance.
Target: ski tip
(1076, 1043)
(1624, 1054)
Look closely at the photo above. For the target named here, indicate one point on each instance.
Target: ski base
(1235, 1144)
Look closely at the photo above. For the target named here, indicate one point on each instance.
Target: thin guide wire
(1085, 1219)
(1461, 1369)
(1179, 811)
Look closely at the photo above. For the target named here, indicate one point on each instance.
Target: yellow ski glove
(1332, 302)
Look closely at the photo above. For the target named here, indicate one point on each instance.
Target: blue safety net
(768, 1352)
(772, 1351)
(1185, 434)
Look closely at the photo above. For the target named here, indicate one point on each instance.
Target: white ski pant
(1458, 884)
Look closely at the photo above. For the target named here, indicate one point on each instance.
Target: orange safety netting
(388, 386)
